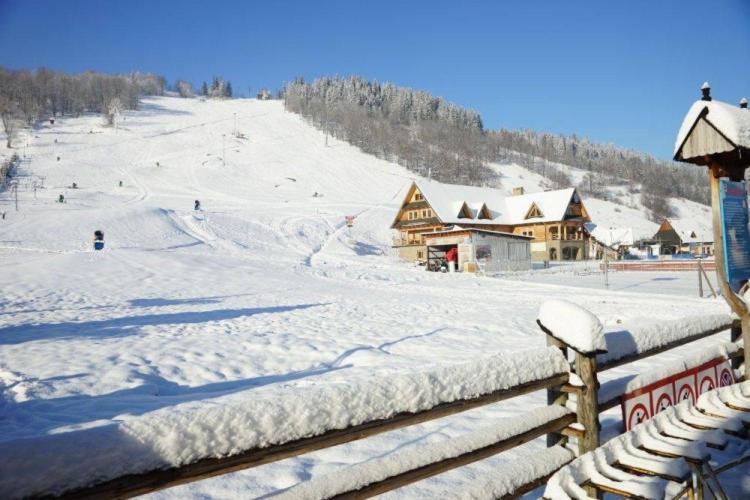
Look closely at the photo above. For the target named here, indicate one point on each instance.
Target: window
(424, 214)
(534, 212)
(418, 197)
(420, 254)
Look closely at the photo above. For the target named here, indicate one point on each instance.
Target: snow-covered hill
(262, 292)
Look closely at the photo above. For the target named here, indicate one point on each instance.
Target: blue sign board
(734, 230)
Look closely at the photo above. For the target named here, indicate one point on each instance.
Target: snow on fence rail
(622, 347)
(194, 441)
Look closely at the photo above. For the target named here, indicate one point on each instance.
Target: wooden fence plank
(607, 365)
(426, 471)
(139, 484)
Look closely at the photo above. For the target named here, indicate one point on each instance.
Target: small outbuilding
(479, 249)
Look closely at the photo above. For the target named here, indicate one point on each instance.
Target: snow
(447, 200)
(574, 325)
(380, 468)
(187, 432)
(188, 318)
(646, 335)
(694, 229)
(654, 434)
(730, 120)
(624, 385)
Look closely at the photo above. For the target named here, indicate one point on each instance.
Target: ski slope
(263, 291)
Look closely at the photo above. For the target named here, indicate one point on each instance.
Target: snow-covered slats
(236, 424)
(659, 448)
(416, 459)
(642, 340)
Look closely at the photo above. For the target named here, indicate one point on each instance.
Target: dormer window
(534, 212)
(465, 212)
(484, 212)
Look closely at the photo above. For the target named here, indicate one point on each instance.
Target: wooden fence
(557, 430)
(661, 265)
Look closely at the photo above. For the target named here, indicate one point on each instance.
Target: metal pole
(223, 151)
(235, 124)
(700, 279)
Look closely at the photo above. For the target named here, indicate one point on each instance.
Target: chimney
(517, 191)
(743, 103)
(706, 89)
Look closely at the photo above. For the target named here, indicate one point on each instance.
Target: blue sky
(622, 72)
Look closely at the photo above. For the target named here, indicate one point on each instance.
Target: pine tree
(228, 89)
(204, 89)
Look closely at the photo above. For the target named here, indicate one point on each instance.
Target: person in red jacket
(452, 256)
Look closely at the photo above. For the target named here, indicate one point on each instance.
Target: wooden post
(587, 409)
(738, 305)
(587, 406)
(735, 334)
(556, 397)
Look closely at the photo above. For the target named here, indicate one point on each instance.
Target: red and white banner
(349, 220)
(645, 402)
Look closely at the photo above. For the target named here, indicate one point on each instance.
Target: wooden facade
(560, 239)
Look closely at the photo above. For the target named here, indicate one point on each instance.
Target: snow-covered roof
(447, 201)
(693, 230)
(731, 121)
(613, 236)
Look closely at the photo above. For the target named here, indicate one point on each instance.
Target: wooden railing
(587, 369)
(559, 430)
(138, 484)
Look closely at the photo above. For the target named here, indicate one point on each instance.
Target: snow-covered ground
(263, 292)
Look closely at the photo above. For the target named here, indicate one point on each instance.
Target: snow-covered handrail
(151, 452)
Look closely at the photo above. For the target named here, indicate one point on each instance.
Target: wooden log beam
(607, 365)
(414, 475)
(556, 396)
(138, 484)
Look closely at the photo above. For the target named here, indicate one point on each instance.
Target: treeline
(608, 165)
(431, 136)
(26, 96)
(424, 133)
(219, 88)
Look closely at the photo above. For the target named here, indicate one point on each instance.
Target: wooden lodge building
(553, 220)
(684, 236)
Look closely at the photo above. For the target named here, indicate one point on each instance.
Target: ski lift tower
(717, 135)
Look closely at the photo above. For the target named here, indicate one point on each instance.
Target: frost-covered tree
(9, 117)
(228, 89)
(204, 89)
(184, 89)
(112, 111)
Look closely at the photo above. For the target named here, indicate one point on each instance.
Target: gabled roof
(693, 230)
(613, 237)
(731, 122)
(552, 204)
(447, 201)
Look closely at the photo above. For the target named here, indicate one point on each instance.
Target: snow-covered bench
(679, 451)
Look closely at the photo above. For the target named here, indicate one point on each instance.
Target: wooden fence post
(587, 406)
(735, 334)
(555, 396)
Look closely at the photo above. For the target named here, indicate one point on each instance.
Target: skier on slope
(197, 204)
